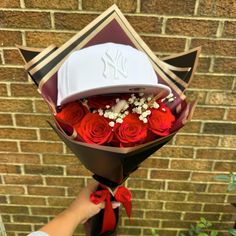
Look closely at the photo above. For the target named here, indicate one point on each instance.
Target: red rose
(160, 120)
(72, 113)
(94, 129)
(131, 131)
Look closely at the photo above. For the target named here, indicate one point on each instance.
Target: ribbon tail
(109, 220)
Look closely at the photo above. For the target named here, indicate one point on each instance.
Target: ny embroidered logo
(114, 64)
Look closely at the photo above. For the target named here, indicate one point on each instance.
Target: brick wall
(39, 176)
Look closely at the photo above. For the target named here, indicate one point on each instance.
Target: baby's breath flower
(145, 106)
(119, 120)
(145, 120)
(112, 123)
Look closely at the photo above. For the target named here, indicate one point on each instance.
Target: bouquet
(125, 120)
(112, 126)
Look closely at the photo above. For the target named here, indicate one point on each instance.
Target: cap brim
(160, 89)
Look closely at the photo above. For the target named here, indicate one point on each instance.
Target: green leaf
(214, 233)
(203, 220)
(232, 232)
(231, 187)
(202, 234)
(201, 225)
(224, 178)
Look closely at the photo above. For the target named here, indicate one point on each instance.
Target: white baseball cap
(106, 68)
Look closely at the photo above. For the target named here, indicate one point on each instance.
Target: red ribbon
(122, 195)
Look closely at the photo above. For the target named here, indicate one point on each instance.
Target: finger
(92, 186)
(102, 205)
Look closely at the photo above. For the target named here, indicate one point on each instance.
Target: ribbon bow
(122, 195)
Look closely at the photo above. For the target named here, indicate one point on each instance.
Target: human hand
(83, 208)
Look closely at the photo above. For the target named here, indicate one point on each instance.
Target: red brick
(53, 4)
(191, 165)
(140, 173)
(62, 202)
(215, 46)
(12, 57)
(203, 64)
(9, 4)
(19, 158)
(46, 211)
(225, 166)
(217, 188)
(165, 44)
(229, 29)
(197, 216)
(4, 168)
(142, 222)
(203, 177)
(190, 27)
(12, 179)
(222, 98)
(202, 141)
(225, 65)
(44, 39)
(33, 120)
(41, 147)
(187, 186)
(41, 106)
(200, 96)
(125, 6)
(183, 7)
(19, 19)
(77, 170)
(43, 170)
(14, 105)
(60, 159)
(3, 90)
(165, 232)
(8, 146)
(156, 163)
(212, 82)
(29, 219)
(73, 21)
(10, 38)
(166, 196)
(3, 199)
(13, 190)
(26, 200)
(174, 152)
(6, 119)
(67, 182)
(216, 154)
(146, 204)
(14, 209)
(191, 127)
(218, 8)
(163, 215)
(12, 74)
(22, 134)
(50, 191)
(24, 90)
(208, 113)
(129, 231)
(48, 134)
(145, 184)
(209, 198)
(219, 128)
(228, 141)
(169, 174)
(145, 24)
(17, 227)
(232, 114)
(183, 206)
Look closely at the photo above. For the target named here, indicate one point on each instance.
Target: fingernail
(115, 204)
